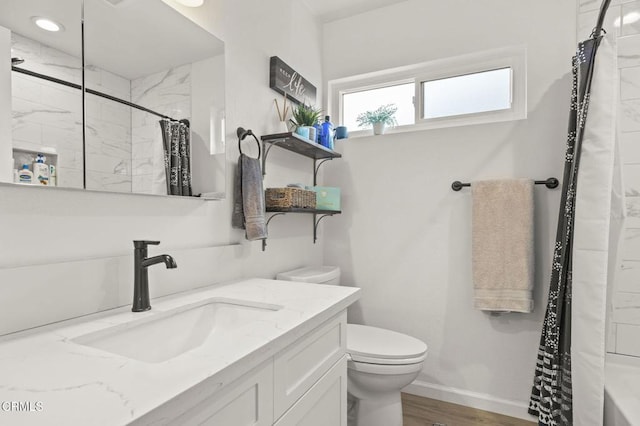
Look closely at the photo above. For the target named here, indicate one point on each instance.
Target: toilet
(380, 362)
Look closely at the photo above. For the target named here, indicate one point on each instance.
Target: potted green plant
(303, 118)
(380, 118)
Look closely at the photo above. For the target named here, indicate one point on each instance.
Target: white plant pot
(379, 128)
(282, 127)
(312, 134)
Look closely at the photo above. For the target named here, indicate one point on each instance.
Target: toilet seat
(383, 369)
(372, 345)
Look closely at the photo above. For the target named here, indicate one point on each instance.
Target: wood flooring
(419, 411)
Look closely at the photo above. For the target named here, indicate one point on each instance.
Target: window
(354, 103)
(472, 89)
(467, 94)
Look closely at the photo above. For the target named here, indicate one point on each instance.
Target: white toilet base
(383, 411)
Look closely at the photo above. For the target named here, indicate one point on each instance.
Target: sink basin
(166, 335)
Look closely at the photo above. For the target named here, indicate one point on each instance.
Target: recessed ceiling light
(47, 24)
(191, 3)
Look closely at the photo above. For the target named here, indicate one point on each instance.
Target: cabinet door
(246, 402)
(297, 368)
(325, 404)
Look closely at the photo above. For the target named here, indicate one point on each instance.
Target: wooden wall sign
(285, 80)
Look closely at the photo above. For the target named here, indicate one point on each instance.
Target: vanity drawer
(297, 368)
(246, 402)
(324, 404)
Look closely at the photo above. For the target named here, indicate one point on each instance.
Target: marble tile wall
(108, 132)
(49, 115)
(46, 115)
(623, 19)
(169, 93)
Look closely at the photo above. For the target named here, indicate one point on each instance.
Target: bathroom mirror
(144, 63)
(41, 114)
(166, 68)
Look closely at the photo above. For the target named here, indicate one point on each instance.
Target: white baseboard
(467, 398)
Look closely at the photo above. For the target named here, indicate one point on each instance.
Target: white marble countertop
(60, 382)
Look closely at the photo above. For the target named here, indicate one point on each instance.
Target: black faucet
(141, 277)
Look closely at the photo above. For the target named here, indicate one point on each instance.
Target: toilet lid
(377, 345)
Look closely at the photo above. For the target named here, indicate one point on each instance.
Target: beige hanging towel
(502, 252)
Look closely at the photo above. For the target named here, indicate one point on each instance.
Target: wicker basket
(284, 198)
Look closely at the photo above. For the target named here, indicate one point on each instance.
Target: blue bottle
(318, 128)
(327, 133)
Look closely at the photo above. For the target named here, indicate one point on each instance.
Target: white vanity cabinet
(310, 378)
(255, 352)
(304, 384)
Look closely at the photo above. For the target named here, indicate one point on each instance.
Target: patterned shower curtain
(177, 156)
(551, 395)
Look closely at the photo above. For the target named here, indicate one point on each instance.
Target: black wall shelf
(305, 147)
(302, 146)
(316, 220)
(302, 210)
(293, 142)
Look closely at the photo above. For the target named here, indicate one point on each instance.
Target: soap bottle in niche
(327, 133)
(53, 175)
(40, 171)
(25, 175)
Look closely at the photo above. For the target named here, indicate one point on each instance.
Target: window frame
(514, 57)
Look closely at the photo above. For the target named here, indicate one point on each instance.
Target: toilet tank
(313, 274)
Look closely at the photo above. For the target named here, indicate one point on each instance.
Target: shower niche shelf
(305, 147)
(28, 156)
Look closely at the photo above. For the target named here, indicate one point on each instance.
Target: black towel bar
(549, 183)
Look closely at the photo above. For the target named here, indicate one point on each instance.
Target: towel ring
(242, 133)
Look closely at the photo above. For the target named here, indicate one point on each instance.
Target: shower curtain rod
(90, 91)
(603, 12)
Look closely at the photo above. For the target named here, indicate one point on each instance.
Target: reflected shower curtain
(551, 395)
(177, 156)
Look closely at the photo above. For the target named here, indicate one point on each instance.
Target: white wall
(624, 319)
(207, 120)
(38, 226)
(404, 236)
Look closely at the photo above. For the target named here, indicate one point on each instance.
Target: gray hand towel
(249, 205)
(502, 251)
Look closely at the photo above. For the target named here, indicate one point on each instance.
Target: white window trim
(514, 57)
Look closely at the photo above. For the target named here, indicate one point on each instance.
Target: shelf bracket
(316, 167)
(266, 147)
(315, 225)
(264, 241)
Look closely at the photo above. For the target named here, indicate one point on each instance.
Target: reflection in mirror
(46, 116)
(138, 72)
(160, 127)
